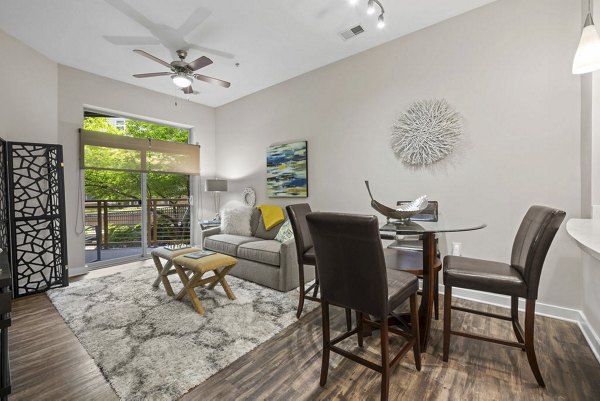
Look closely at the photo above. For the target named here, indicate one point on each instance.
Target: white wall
(78, 89)
(28, 87)
(590, 172)
(505, 67)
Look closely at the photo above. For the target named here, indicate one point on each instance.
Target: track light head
(370, 7)
(380, 22)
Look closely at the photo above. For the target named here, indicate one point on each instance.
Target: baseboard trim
(553, 311)
(590, 335)
(77, 271)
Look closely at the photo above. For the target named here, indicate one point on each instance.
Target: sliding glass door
(127, 213)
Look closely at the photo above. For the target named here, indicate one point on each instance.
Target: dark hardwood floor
(48, 363)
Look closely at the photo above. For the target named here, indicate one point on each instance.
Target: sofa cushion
(236, 221)
(255, 220)
(262, 232)
(261, 251)
(227, 243)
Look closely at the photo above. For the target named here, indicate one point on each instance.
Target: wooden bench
(165, 270)
(217, 263)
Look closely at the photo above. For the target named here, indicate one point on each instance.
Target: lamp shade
(216, 185)
(587, 56)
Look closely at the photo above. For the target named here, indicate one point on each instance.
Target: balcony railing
(113, 228)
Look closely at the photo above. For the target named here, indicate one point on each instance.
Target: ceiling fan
(182, 72)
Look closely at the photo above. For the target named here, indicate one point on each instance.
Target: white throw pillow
(236, 221)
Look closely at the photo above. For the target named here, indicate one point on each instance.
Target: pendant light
(587, 56)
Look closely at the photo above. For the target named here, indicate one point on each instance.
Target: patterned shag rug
(152, 347)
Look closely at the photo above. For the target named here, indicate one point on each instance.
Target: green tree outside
(113, 185)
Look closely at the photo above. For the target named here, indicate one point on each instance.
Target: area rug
(152, 347)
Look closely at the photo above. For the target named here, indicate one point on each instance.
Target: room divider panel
(36, 214)
(4, 244)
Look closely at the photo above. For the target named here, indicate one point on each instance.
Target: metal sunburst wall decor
(426, 133)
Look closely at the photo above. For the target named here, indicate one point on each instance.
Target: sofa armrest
(288, 275)
(211, 231)
(288, 248)
(208, 232)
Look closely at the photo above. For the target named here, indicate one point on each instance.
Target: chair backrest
(350, 261)
(429, 214)
(536, 232)
(297, 215)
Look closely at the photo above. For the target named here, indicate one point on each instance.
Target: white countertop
(587, 234)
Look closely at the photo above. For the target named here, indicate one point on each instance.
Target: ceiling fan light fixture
(181, 80)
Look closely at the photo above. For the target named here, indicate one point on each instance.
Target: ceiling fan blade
(188, 91)
(193, 21)
(208, 50)
(152, 74)
(213, 81)
(199, 63)
(151, 57)
(131, 40)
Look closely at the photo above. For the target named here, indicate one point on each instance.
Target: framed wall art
(287, 175)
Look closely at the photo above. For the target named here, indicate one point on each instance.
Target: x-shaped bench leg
(189, 285)
(162, 274)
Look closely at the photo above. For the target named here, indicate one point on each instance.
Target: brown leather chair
(519, 279)
(306, 256)
(352, 274)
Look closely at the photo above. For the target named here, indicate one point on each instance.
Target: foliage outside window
(113, 185)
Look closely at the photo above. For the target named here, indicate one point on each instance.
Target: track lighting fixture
(371, 10)
(370, 7)
(380, 22)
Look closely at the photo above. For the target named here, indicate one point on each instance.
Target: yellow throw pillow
(272, 215)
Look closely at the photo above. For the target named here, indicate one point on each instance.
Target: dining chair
(306, 256)
(353, 274)
(415, 243)
(519, 279)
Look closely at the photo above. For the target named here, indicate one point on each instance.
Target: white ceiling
(272, 40)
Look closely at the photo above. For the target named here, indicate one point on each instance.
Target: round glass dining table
(400, 259)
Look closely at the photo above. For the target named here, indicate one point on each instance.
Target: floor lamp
(216, 186)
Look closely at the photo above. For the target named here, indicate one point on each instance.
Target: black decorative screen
(36, 195)
(4, 242)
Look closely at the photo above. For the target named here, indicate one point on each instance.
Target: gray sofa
(261, 259)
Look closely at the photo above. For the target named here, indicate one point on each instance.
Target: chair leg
(529, 343)
(359, 326)
(316, 289)
(326, 340)
(436, 297)
(447, 320)
(514, 314)
(348, 319)
(385, 360)
(414, 321)
(301, 298)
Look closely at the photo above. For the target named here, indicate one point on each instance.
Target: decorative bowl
(402, 213)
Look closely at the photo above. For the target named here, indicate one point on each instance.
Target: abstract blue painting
(286, 170)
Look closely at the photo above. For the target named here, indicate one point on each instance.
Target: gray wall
(42, 101)
(505, 67)
(79, 89)
(590, 173)
(28, 102)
